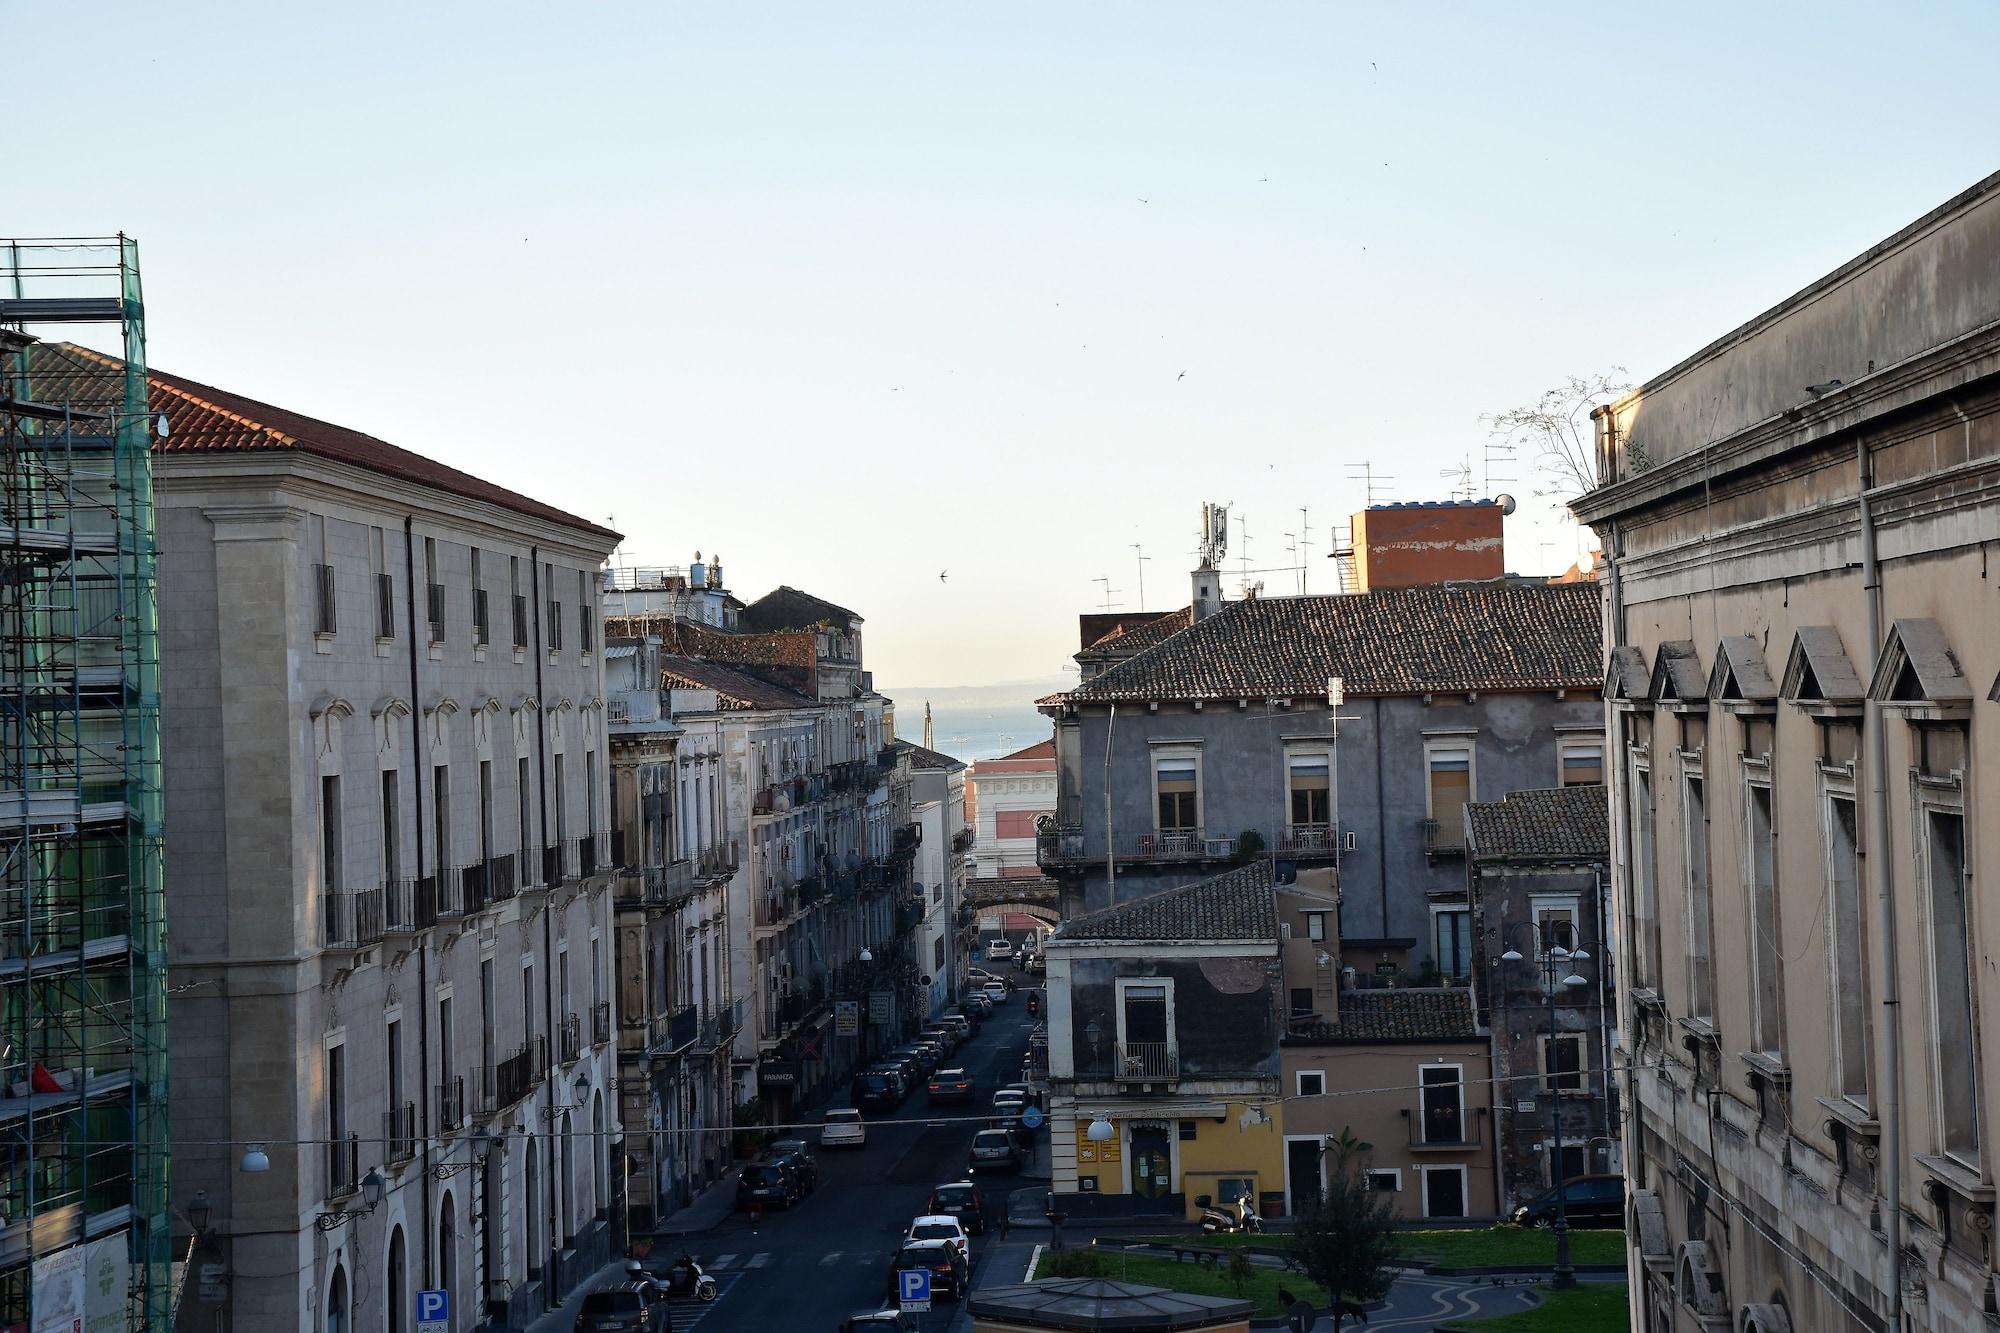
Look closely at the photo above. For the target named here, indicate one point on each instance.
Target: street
(810, 1267)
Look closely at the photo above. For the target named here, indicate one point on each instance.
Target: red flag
(41, 1080)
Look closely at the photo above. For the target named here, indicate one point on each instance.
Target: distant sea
(971, 733)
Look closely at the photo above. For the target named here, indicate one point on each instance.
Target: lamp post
(1553, 961)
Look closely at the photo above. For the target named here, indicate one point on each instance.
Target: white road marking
(830, 1258)
(759, 1259)
(723, 1261)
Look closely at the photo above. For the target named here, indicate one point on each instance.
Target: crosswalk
(739, 1263)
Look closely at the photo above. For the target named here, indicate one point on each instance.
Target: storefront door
(1152, 1162)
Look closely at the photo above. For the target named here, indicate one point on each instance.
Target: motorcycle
(1034, 1006)
(684, 1278)
(1230, 1218)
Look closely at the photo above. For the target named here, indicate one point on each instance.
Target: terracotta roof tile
(205, 419)
(1393, 1016)
(1549, 824)
(1239, 904)
(1130, 632)
(934, 760)
(735, 690)
(786, 607)
(1039, 750)
(1443, 638)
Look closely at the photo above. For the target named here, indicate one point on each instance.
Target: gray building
(387, 779)
(1220, 742)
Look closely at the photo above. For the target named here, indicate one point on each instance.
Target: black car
(794, 1154)
(949, 1275)
(626, 1306)
(1588, 1201)
(899, 1074)
(879, 1321)
(906, 1064)
(960, 1199)
(873, 1091)
(924, 1057)
(771, 1184)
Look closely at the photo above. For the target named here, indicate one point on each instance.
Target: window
(1145, 1019)
(489, 1012)
(1015, 823)
(1450, 770)
(937, 955)
(1188, 1130)
(562, 804)
(447, 1053)
(1562, 1062)
(1848, 980)
(1302, 1000)
(1765, 992)
(441, 817)
(336, 1096)
(481, 624)
(329, 835)
(1701, 971)
(1443, 1103)
(518, 601)
(392, 828)
(589, 792)
(1312, 1083)
(1555, 923)
(1952, 998)
(525, 796)
(486, 811)
(1444, 1191)
(1177, 781)
(528, 1000)
(1645, 955)
(555, 609)
(1581, 762)
(324, 618)
(1385, 1181)
(433, 591)
(585, 627)
(393, 1034)
(1309, 780)
(1453, 942)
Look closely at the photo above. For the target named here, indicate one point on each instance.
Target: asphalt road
(810, 1267)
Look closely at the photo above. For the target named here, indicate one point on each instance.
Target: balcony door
(1444, 1104)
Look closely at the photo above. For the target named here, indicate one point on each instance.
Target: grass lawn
(1594, 1307)
(1201, 1279)
(1491, 1247)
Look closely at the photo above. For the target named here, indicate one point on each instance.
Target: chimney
(1207, 591)
(1425, 542)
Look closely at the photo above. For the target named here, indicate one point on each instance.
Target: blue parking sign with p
(913, 1286)
(433, 1312)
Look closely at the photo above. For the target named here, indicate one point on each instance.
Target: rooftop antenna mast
(1462, 488)
(1373, 485)
(1292, 545)
(1305, 547)
(1141, 558)
(1109, 591)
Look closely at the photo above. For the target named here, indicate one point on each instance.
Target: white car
(995, 992)
(999, 947)
(941, 1226)
(843, 1129)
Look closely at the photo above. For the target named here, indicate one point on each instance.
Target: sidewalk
(709, 1210)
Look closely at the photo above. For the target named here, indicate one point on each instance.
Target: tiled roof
(1129, 632)
(1443, 638)
(1549, 824)
(933, 760)
(786, 607)
(735, 691)
(204, 419)
(1039, 750)
(1240, 904)
(1394, 1016)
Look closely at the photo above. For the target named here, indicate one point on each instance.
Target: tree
(1557, 432)
(1345, 1236)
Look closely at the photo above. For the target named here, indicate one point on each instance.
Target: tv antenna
(1140, 557)
(1374, 485)
(1109, 591)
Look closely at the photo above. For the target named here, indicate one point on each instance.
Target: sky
(858, 295)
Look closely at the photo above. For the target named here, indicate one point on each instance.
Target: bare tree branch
(1557, 433)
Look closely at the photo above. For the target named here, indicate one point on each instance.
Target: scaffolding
(83, 1053)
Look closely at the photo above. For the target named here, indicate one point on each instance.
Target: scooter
(1034, 1006)
(684, 1278)
(1230, 1218)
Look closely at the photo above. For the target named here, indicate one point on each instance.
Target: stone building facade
(387, 775)
(1800, 522)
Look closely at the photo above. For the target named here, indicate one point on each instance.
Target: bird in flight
(1178, 378)
(941, 574)
(1144, 201)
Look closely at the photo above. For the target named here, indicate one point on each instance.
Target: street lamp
(198, 1213)
(1556, 959)
(255, 1159)
(1101, 1130)
(372, 1186)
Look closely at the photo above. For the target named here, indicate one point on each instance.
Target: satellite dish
(1505, 501)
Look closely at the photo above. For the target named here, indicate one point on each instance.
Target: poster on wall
(107, 1284)
(58, 1289)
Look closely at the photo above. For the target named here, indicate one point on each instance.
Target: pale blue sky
(853, 294)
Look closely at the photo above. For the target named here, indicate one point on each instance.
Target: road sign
(913, 1288)
(1031, 1119)
(1301, 1317)
(433, 1312)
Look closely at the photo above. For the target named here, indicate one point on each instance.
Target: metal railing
(351, 918)
(1443, 838)
(572, 860)
(343, 1165)
(1456, 1132)
(497, 1087)
(600, 1023)
(451, 1104)
(1309, 840)
(1146, 1062)
(409, 905)
(473, 887)
(677, 1031)
(1070, 846)
(451, 891)
(399, 1132)
(499, 878)
(569, 1038)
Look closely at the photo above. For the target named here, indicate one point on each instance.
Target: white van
(999, 948)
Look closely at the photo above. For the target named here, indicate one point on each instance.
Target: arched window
(448, 1247)
(598, 1193)
(397, 1294)
(336, 1302)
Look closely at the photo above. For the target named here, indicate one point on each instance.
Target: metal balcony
(1146, 1062)
(600, 1023)
(451, 892)
(451, 1105)
(343, 1165)
(351, 919)
(1305, 842)
(409, 905)
(1453, 1132)
(399, 1133)
(1443, 839)
(569, 1039)
(500, 878)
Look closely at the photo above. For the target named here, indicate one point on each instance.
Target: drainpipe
(423, 945)
(1889, 1096)
(1110, 856)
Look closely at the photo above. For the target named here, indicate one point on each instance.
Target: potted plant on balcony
(1249, 845)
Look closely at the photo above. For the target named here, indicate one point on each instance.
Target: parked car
(947, 1267)
(940, 1226)
(1036, 963)
(950, 1085)
(906, 1067)
(1007, 1108)
(772, 1184)
(623, 1306)
(999, 948)
(843, 1129)
(979, 1004)
(795, 1154)
(874, 1090)
(979, 976)
(962, 1023)
(993, 1150)
(944, 1034)
(960, 1199)
(1591, 1201)
(995, 991)
(923, 1059)
(879, 1321)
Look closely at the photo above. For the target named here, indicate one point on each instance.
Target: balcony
(1451, 1131)
(677, 1031)
(1308, 842)
(399, 1133)
(719, 1028)
(962, 840)
(451, 1105)
(1443, 839)
(572, 861)
(551, 858)
(569, 1039)
(351, 918)
(670, 885)
(409, 906)
(451, 891)
(497, 1087)
(472, 887)
(1068, 847)
(600, 1023)
(343, 1165)
(500, 878)
(1147, 1062)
